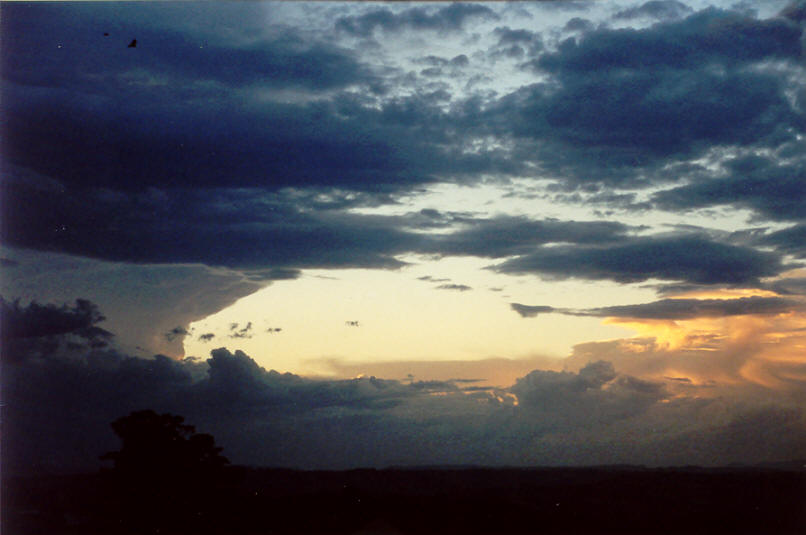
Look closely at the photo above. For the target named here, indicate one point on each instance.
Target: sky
(372, 234)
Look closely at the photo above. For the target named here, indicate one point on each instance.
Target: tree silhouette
(162, 445)
(167, 475)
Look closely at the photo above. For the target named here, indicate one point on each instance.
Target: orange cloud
(767, 350)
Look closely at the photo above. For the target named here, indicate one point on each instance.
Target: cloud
(507, 236)
(248, 229)
(37, 321)
(770, 187)
(689, 258)
(153, 300)
(595, 394)
(449, 18)
(176, 332)
(181, 53)
(516, 43)
(578, 24)
(429, 278)
(595, 118)
(709, 350)
(243, 332)
(43, 329)
(789, 240)
(457, 287)
(206, 337)
(58, 409)
(530, 311)
(676, 309)
(656, 9)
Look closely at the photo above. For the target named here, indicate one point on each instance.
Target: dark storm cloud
(449, 18)
(245, 229)
(790, 240)
(530, 311)
(688, 258)
(237, 378)
(711, 35)
(186, 114)
(235, 143)
(595, 394)
(78, 56)
(507, 236)
(140, 158)
(680, 309)
(771, 188)
(35, 320)
(597, 118)
(251, 229)
(790, 286)
(38, 330)
(656, 9)
(58, 408)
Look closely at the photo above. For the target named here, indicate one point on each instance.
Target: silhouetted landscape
(422, 500)
(168, 479)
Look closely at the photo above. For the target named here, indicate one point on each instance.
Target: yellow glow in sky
(401, 318)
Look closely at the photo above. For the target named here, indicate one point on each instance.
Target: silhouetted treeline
(165, 475)
(558, 500)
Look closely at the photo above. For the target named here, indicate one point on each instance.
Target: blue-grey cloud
(510, 40)
(449, 18)
(790, 240)
(597, 121)
(508, 236)
(245, 229)
(530, 311)
(36, 329)
(696, 308)
(789, 286)
(656, 9)
(578, 24)
(79, 56)
(682, 309)
(595, 394)
(772, 189)
(688, 258)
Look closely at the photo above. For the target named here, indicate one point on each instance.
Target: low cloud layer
(689, 258)
(676, 309)
(58, 407)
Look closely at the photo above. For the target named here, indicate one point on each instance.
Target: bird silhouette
(133, 44)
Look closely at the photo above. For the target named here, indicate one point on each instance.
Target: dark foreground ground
(251, 501)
